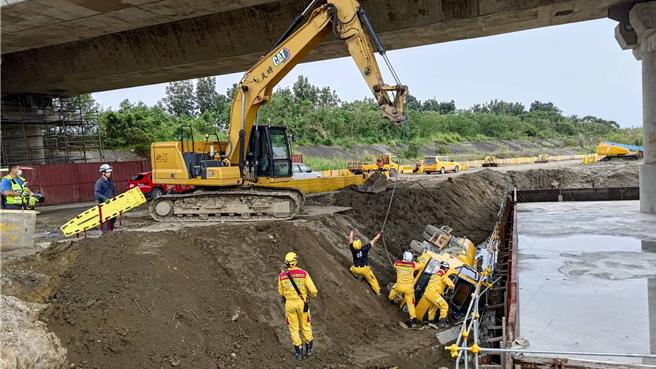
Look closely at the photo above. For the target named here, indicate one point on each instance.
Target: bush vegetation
(317, 116)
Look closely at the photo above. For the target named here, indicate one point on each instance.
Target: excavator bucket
(375, 183)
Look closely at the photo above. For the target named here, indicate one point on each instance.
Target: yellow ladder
(109, 209)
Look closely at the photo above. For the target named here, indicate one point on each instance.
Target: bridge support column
(637, 31)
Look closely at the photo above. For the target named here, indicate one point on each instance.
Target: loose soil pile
(205, 297)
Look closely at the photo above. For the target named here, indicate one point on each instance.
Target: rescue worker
(12, 188)
(404, 286)
(294, 285)
(104, 190)
(360, 267)
(434, 293)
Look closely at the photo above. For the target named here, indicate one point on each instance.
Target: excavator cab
(269, 154)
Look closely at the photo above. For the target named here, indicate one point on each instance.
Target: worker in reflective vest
(12, 188)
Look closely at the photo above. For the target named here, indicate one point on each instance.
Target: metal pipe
(389, 65)
(547, 352)
(242, 132)
(475, 320)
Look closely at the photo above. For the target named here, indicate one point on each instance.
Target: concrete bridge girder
(232, 40)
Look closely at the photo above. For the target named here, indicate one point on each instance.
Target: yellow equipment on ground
(611, 150)
(489, 161)
(109, 209)
(249, 176)
(542, 158)
(386, 163)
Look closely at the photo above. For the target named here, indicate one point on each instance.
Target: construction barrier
(521, 160)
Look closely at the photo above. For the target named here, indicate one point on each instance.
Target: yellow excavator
(249, 176)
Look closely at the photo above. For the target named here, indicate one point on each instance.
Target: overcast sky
(579, 67)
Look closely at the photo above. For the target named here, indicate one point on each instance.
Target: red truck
(145, 183)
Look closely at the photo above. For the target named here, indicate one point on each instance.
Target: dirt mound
(205, 297)
(26, 342)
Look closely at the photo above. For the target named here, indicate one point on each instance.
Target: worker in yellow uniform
(294, 285)
(404, 286)
(360, 267)
(434, 293)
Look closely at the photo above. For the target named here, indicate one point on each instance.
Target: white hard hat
(105, 168)
(407, 256)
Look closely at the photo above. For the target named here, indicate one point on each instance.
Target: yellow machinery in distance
(248, 177)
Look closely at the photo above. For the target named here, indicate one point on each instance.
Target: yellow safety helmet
(291, 259)
(357, 244)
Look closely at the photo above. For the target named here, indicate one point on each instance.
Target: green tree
(499, 107)
(327, 97)
(304, 90)
(206, 95)
(412, 103)
(548, 107)
(180, 98)
(440, 107)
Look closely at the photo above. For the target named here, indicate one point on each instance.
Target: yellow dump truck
(612, 150)
(385, 163)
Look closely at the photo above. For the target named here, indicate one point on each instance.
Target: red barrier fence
(69, 183)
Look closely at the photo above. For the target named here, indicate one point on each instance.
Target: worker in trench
(435, 294)
(360, 267)
(294, 285)
(404, 286)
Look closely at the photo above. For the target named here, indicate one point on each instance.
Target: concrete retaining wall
(17, 229)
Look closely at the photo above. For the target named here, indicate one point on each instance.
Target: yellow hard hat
(357, 244)
(291, 259)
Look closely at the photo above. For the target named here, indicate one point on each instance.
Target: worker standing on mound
(360, 267)
(435, 292)
(404, 286)
(294, 285)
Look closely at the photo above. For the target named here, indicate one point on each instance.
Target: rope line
(389, 207)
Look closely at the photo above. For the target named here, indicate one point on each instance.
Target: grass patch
(324, 163)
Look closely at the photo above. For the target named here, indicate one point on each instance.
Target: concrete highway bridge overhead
(68, 47)
(76, 46)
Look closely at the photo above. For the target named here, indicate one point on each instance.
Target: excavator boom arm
(349, 23)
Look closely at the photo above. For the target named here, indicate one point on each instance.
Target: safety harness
(306, 305)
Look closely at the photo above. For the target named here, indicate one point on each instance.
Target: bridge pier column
(637, 31)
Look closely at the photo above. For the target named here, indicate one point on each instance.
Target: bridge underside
(102, 46)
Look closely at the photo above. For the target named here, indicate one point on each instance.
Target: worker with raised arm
(404, 286)
(360, 267)
(435, 292)
(294, 285)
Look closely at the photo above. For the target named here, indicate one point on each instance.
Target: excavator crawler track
(235, 205)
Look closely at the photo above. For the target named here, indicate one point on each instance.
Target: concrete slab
(586, 273)
(17, 229)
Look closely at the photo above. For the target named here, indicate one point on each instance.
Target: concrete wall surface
(17, 229)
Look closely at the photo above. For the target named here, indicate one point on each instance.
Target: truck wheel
(457, 169)
(442, 171)
(156, 192)
(392, 172)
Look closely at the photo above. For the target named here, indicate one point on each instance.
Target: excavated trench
(205, 297)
